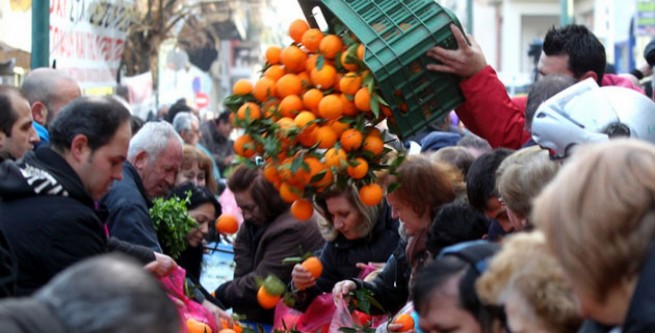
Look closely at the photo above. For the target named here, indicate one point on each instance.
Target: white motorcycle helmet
(586, 113)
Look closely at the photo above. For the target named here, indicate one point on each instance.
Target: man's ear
(2, 139)
(39, 112)
(589, 74)
(140, 160)
(79, 147)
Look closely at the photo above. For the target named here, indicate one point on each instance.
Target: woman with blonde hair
(355, 234)
(520, 178)
(525, 278)
(599, 220)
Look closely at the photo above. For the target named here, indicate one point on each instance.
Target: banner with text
(87, 38)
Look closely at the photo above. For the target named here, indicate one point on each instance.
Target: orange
(245, 146)
(294, 59)
(359, 170)
(406, 321)
(305, 81)
(347, 63)
(264, 89)
(194, 326)
(307, 137)
(326, 181)
(339, 126)
(349, 108)
(303, 119)
(363, 99)
(360, 52)
(266, 300)
(314, 167)
(286, 127)
(290, 106)
(326, 137)
(330, 107)
(371, 194)
(325, 77)
(242, 87)
(249, 111)
(275, 72)
(373, 144)
(311, 62)
(311, 39)
(302, 209)
(330, 45)
(288, 84)
(311, 99)
(273, 55)
(297, 28)
(270, 173)
(226, 224)
(350, 83)
(289, 193)
(314, 266)
(227, 330)
(351, 139)
(335, 157)
(270, 108)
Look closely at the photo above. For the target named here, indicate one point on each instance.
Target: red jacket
(491, 114)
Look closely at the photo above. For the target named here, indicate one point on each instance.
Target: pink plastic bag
(174, 286)
(315, 318)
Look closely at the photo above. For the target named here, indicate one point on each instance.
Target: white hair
(152, 138)
(182, 121)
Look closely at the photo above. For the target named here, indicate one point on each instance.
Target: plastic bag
(408, 309)
(174, 286)
(316, 317)
(344, 318)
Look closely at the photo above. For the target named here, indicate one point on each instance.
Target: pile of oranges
(311, 116)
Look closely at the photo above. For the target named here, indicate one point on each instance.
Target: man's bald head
(48, 90)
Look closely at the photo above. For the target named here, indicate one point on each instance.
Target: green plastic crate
(397, 35)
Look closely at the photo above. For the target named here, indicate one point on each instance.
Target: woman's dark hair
(97, 118)
(468, 261)
(199, 195)
(263, 193)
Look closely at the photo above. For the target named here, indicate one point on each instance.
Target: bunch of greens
(172, 223)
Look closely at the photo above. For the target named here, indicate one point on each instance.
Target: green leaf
(375, 105)
(292, 260)
(320, 62)
(172, 223)
(392, 187)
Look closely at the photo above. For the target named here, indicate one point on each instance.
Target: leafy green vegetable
(172, 223)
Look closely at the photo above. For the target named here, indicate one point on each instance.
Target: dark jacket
(129, 217)
(48, 218)
(340, 256)
(391, 287)
(26, 315)
(641, 313)
(258, 252)
(219, 146)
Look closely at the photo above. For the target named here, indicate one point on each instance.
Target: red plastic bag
(316, 317)
(174, 286)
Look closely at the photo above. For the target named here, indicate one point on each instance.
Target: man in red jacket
(488, 111)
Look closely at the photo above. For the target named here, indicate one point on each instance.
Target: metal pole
(469, 16)
(566, 12)
(40, 33)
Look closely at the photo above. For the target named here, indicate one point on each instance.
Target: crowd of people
(536, 215)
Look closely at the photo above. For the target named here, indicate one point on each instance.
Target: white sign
(87, 38)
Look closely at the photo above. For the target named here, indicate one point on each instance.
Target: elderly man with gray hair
(153, 159)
